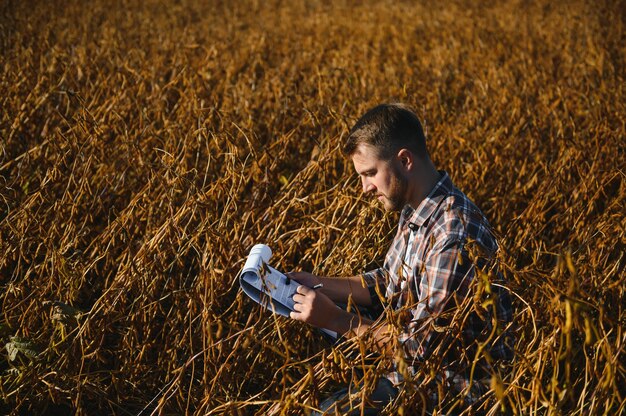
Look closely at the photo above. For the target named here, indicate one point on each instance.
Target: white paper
(267, 286)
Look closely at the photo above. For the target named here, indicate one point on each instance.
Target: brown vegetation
(145, 147)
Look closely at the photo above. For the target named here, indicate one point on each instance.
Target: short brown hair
(388, 128)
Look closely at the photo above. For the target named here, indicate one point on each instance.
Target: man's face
(383, 178)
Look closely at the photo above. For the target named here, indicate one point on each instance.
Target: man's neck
(422, 181)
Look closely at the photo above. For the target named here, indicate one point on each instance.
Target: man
(443, 242)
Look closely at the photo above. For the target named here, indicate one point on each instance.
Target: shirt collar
(427, 207)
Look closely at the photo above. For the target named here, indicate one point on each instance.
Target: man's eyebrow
(367, 171)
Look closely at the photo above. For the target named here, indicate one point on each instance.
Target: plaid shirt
(427, 264)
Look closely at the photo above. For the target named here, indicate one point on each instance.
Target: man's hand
(315, 308)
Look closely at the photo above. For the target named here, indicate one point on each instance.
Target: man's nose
(367, 186)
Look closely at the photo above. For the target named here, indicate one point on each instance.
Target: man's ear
(406, 158)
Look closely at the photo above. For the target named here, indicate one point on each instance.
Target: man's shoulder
(459, 218)
(456, 205)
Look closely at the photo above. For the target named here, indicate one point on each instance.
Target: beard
(395, 199)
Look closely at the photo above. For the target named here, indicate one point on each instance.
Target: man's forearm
(340, 288)
(350, 325)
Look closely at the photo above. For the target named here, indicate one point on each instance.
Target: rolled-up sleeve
(376, 277)
(376, 281)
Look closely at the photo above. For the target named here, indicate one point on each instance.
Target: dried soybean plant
(146, 146)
